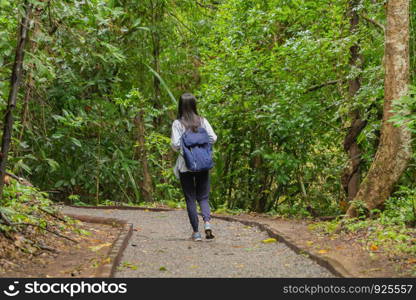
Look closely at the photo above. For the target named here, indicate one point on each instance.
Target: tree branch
(5, 219)
(53, 214)
(206, 5)
(378, 25)
(180, 22)
(44, 228)
(20, 179)
(318, 86)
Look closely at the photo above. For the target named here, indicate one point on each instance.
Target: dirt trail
(161, 247)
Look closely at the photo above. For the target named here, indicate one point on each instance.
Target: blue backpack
(197, 150)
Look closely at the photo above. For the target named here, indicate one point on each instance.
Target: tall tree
(394, 150)
(157, 15)
(145, 182)
(352, 174)
(15, 82)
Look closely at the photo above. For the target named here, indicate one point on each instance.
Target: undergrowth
(390, 232)
(29, 222)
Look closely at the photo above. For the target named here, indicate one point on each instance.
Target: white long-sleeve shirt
(177, 130)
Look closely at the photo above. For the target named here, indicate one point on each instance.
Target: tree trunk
(157, 13)
(351, 176)
(394, 150)
(30, 83)
(259, 185)
(15, 81)
(141, 154)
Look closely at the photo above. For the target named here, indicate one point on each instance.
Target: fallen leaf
(98, 247)
(19, 242)
(162, 269)
(411, 261)
(373, 247)
(107, 260)
(129, 265)
(267, 241)
(309, 243)
(373, 270)
(95, 264)
(323, 251)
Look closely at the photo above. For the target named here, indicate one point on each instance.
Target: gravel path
(161, 247)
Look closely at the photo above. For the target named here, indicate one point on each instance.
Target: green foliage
(388, 228)
(404, 109)
(24, 204)
(271, 77)
(275, 135)
(400, 208)
(88, 59)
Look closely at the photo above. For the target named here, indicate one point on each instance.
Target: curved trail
(161, 248)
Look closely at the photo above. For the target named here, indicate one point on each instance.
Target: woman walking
(195, 185)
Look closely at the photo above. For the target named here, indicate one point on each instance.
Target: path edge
(114, 254)
(332, 265)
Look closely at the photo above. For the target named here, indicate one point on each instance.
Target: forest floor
(64, 258)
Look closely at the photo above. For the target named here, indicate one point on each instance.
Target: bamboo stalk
(15, 82)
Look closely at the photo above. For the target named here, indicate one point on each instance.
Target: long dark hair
(187, 113)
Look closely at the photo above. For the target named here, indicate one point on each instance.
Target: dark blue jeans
(195, 186)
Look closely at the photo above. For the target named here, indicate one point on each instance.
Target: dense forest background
(275, 78)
